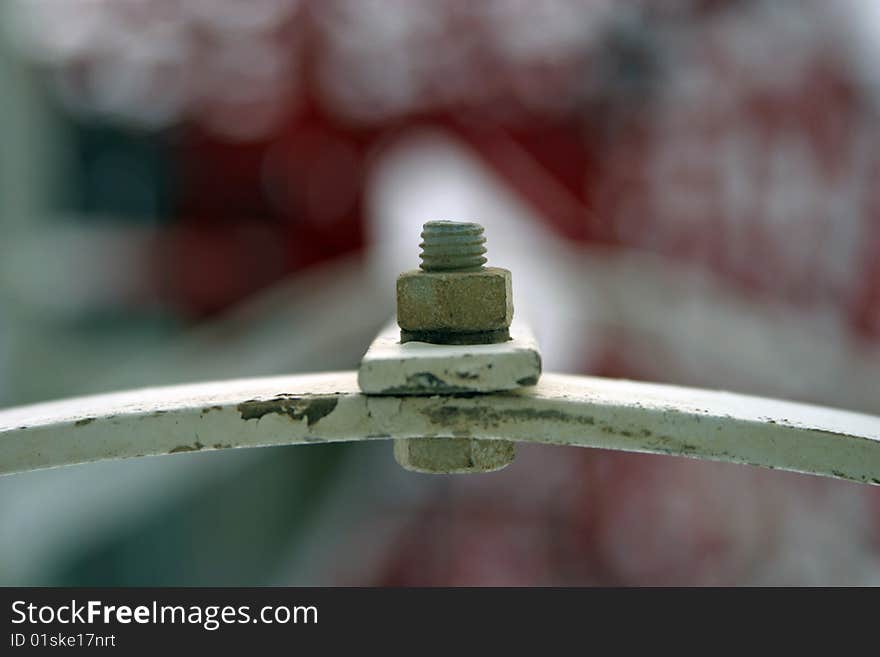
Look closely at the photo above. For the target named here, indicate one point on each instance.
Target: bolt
(454, 299)
(452, 246)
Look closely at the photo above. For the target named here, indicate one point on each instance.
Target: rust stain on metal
(296, 408)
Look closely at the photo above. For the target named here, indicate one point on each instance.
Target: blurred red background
(735, 139)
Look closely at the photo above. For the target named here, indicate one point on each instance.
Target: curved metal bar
(561, 410)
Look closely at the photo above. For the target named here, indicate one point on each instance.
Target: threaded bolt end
(452, 246)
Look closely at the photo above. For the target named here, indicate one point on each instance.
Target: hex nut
(453, 455)
(455, 302)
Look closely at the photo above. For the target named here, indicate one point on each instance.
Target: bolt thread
(452, 246)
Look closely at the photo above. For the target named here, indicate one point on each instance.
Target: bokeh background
(686, 191)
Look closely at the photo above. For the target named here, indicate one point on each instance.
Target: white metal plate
(560, 409)
(419, 368)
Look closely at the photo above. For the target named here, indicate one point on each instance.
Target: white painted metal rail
(561, 410)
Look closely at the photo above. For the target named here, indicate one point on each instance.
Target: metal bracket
(417, 368)
(562, 410)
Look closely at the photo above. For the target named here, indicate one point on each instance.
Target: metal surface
(418, 368)
(563, 410)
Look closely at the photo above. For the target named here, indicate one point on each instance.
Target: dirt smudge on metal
(490, 417)
(195, 447)
(425, 382)
(455, 417)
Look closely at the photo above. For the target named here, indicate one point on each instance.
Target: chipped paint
(296, 408)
